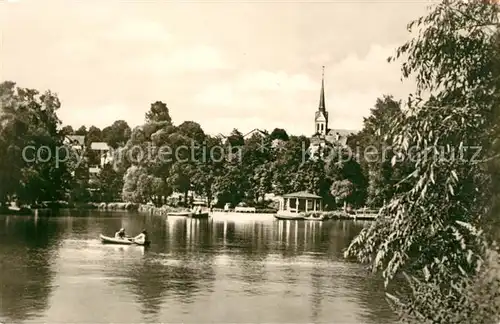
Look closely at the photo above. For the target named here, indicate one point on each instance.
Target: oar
(132, 239)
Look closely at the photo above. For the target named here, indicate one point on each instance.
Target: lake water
(236, 269)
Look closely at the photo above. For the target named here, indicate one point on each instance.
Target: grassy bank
(160, 211)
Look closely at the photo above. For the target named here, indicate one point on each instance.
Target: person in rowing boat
(143, 237)
(120, 234)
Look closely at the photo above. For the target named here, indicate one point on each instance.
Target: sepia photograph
(250, 161)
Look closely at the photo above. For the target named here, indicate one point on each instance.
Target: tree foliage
(29, 133)
(432, 233)
(158, 113)
(375, 151)
(279, 134)
(117, 134)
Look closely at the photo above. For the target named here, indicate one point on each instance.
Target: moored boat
(286, 215)
(127, 241)
(289, 217)
(199, 215)
(181, 214)
(199, 211)
(318, 218)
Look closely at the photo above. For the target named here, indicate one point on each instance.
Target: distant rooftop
(254, 131)
(76, 139)
(94, 170)
(99, 146)
(342, 132)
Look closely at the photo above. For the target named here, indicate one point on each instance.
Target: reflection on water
(54, 269)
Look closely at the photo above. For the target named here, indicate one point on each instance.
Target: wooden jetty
(364, 214)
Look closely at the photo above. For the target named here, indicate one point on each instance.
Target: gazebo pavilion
(301, 201)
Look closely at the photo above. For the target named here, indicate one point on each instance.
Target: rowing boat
(126, 241)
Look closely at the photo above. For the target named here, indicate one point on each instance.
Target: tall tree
(158, 113)
(81, 131)
(279, 134)
(109, 184)
(136, 185)
(209, 168)
(94, 134)
(287, 161)
(117, 134)
(32, 168)
(375, 151)
(67, 130)
(192, 130)
(235, 139)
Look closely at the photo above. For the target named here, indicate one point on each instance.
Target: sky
(224, 64)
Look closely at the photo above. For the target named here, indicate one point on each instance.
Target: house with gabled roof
(105, 151)
(75, 141)
(255, 131)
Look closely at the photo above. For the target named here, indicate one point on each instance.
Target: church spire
(322, 94)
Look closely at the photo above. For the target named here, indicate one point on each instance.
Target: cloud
(370, 71)
(274, 81)
(347, 109)
(220, 94)
(74, 48)
(352, 85)
(187, 59)
(262, 99)
(112, 42)
(138, 31)
(97, 115)
(245, 88)
(110, 62)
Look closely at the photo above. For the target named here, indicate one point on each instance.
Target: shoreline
(163, 211)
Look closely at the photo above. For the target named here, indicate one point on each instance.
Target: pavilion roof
(301, 194)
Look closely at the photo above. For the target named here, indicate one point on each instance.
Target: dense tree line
(231, 169)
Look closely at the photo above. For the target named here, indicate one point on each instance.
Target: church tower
(321, 116)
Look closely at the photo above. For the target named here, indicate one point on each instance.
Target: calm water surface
(225, 269)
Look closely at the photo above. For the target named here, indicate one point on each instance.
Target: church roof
(334, 136)
(322, 106)
(341, 132)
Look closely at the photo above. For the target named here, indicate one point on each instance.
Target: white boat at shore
(287, 215)
(315, 217)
